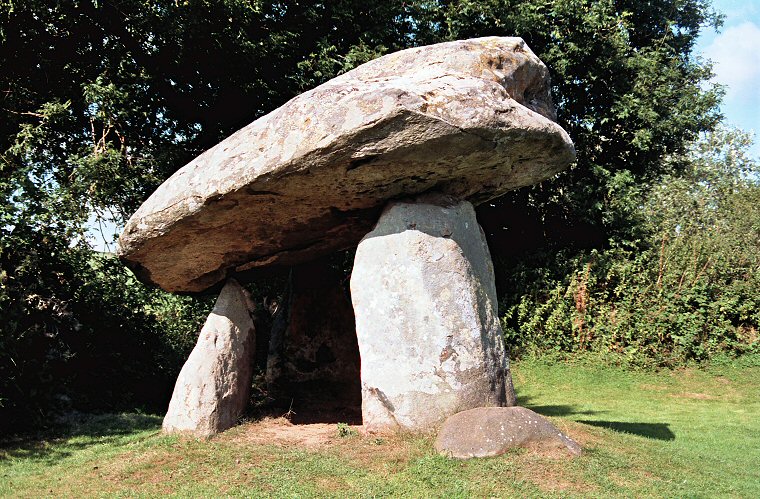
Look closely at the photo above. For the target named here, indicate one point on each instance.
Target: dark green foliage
(102, 100)
(79, 332)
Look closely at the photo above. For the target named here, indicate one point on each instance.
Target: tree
(688, 292)
(101, 100)
(139, 87)
(628, 90)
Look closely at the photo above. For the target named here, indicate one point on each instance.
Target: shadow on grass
(657, 431)
(77, 432)
(553, 410)
(559, 410)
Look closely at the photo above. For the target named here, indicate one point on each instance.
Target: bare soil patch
(284, 433)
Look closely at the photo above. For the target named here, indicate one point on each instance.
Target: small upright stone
(425, 303)
(214, 384)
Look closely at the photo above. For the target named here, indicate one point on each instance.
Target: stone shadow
(656, 431)
(314, 402)
(553, 410)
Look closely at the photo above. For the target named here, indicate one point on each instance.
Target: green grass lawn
(678, 433)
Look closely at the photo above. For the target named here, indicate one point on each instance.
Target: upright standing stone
(213, 387)
(426, 317)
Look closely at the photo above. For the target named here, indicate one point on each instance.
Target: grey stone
(214, 384)
(426, 317)
(491, 431)
(470, 118)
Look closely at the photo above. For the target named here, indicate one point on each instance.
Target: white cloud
(736, 57)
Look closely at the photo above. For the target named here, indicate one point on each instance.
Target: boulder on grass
(491, 431)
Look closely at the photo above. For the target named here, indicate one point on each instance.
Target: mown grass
(693, 433)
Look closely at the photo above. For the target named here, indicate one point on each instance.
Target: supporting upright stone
(426, 317)
(214, 384)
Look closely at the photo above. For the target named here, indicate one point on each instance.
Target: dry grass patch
(692, 395)
(549, 473)
(385, 453)
(282, 433)
(153, 466)
(652, 387)
(379, 452)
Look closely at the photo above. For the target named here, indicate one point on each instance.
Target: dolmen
(389, 158)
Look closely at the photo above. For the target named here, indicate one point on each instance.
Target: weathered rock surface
(313, 348)
(214, 384)
(491, 431)
(426, 318)
(469, 118)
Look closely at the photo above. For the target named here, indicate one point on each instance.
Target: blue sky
(735, 52)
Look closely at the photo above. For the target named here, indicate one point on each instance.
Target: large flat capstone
(469, 118)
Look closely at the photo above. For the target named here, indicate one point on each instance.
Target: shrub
(690, 289)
